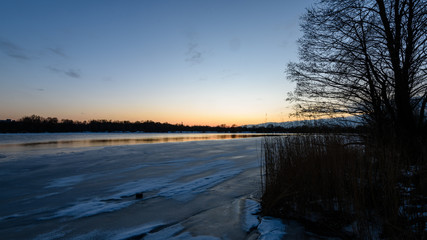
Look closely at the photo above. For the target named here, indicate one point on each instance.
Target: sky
(179, 61)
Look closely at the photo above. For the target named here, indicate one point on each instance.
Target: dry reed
(331, 182)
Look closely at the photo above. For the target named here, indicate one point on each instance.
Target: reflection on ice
(21, 142)
(13, 146)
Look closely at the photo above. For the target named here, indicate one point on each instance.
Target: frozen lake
(83, 186)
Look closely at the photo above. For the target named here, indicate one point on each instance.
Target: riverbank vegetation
(367, 59)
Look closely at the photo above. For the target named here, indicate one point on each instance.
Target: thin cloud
(193, 55)
(12, 50)
(58, 51)
(70, 72)
(54, 69)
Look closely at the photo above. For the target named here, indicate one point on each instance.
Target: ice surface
(144, 229)
(187, 235)
(183, 185)
(92, 235)
(182, 191)
(176, 232)
(166, 233)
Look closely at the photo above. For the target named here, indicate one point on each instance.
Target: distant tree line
(38, 124)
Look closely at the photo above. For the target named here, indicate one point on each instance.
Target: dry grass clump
(339, 187)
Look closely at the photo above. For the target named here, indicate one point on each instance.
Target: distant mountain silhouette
(349, 122)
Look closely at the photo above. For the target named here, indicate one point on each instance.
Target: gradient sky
(196, 62)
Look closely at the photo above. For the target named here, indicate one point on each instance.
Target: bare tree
(366, 58)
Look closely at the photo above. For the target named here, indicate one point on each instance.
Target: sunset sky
(196, 62)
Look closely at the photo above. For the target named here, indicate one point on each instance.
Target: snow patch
(16, 215)
(186, 191)
(143, 185)
(271, 228)
(86, 209)
(250, 220)
(65, 182)
(56, 234)
(46, 195)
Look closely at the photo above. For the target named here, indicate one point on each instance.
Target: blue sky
(196, 62)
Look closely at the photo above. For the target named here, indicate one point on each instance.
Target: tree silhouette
(366, 58)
